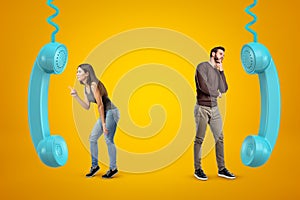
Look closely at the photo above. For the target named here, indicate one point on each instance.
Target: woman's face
(81, 75)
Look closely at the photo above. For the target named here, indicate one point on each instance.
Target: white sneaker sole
(93, 174)
(202, 179)
(223, 176)
(111, 176)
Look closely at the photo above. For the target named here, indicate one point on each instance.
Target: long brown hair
(93, 78)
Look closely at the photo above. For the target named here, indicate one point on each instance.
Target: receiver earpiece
(52, 59)
(256, 59)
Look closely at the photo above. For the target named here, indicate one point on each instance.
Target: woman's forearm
(82, 103)
(101, 113)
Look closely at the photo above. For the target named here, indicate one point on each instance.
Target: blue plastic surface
(256, 59)
(247, 10)
(52, 59)
(49, 19)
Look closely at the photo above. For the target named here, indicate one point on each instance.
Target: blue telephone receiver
(256, 59)
(52, 59)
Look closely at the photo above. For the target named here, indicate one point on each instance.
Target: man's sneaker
(110, 173)
(199, 174)
(226, 174)
(93, 171)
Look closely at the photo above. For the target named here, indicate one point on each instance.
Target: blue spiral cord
(252, 22)
(49, 19)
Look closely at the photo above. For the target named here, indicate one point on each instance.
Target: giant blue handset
(256, 59)
(52, 59)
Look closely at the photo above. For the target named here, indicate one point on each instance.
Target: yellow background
(85, 24)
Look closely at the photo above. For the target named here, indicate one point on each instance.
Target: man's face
(219, 56)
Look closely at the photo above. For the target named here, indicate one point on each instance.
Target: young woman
(95, 92)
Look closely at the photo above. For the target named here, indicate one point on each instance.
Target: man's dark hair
(215, 50)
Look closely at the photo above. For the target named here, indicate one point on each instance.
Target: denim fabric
(111, 120)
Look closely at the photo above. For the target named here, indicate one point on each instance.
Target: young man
(210, 83)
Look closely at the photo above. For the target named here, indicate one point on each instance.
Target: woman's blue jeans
(111, 120)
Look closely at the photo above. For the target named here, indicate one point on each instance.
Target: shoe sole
(92, 175)
(202, 179)
(111, 176)
(228, 177)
